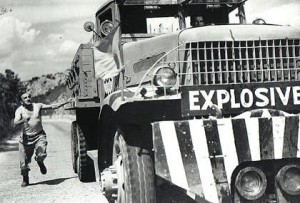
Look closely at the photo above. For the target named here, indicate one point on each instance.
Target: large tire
(74, 145)
(135, 172)
(85, 167)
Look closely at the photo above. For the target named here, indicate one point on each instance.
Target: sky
(39, 37)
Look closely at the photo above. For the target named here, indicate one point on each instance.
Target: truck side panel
(87, 74)
(81, 82)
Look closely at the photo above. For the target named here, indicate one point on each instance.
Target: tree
(10, 91)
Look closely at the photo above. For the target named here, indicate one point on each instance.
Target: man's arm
(19, 119)
(54, 106)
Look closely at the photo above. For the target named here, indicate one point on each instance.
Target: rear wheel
(74, 145)
(134, 170)
(85, 167)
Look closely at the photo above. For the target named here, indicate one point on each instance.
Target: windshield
(166, 19)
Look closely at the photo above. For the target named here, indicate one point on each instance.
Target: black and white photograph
(149, 101)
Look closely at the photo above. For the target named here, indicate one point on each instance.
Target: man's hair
(24, 93)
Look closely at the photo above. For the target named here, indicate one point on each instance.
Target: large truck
(198, 103)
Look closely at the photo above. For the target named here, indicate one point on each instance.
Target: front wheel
(133, 168)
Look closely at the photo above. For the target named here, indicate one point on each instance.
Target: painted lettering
(202, 100)
(194, 98)
(207, 98)
(235, 99)
(264, 100)
(222, 98)
(244, 102)
(283, 97)
(234, 104)
(272, 96)
(296, 95)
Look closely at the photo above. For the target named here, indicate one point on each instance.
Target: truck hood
(238, 33)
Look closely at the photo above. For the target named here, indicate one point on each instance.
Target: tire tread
(140, 173)
(85, 169)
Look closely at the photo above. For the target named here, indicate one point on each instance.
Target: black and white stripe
(188, 157)
(198, 155)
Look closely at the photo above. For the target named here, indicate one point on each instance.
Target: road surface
(59, 185)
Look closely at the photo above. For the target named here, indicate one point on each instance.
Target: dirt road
(59, 185)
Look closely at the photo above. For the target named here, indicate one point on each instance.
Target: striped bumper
(200, 156)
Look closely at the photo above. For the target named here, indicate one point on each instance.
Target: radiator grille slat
(274, 60)
(206, 64)
(281, 61)
(288, 59)
(220, 63)
(199, 66)
(212, 64)
(227, 62)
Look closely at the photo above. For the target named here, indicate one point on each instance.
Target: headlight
(106, 27)
(288, 179)
(164, 77)
(251, 183)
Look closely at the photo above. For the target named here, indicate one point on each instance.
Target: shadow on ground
(8, 147)
(52, 182)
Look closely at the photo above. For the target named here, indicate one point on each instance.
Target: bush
(10, 91)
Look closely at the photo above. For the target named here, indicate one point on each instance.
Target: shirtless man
(33, 137)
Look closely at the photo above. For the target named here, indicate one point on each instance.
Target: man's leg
(25, 154)
(41, 152)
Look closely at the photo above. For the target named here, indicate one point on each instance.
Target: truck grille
(228, 62)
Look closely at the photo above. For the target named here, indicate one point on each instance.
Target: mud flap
(200, 156)
(93, 154)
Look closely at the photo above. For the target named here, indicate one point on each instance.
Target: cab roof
(168, 2)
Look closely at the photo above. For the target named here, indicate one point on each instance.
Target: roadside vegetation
(11, 89)
(46, 89)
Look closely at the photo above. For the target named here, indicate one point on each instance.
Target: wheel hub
(109, 183)
(112, 181)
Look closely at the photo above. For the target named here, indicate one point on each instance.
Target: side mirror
(89, 26)
(259, 21)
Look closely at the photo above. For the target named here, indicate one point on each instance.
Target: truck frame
(210, 109)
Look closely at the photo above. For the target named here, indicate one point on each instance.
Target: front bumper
(204, 156)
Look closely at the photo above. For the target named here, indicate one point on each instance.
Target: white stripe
(253, 137)
(298, 147)
(266, 113)
(246, 114)
(191, 194)
(202, 157)
(173, 154)
(228, 146)
(278, 135)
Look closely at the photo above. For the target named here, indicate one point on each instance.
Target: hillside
(38, 86)
(48, 89)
